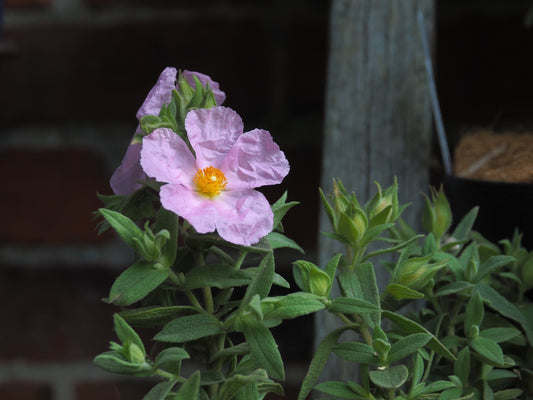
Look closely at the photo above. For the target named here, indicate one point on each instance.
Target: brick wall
(72, 75)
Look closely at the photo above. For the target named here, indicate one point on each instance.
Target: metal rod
(441, 133)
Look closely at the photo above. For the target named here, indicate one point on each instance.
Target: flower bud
(416, 272)
(383, 208)
(312, 279)
(135, 354)
(437, 215)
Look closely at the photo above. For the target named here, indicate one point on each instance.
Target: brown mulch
(490, 156)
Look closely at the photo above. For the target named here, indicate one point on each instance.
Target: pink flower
(124, 179)
(214, 190)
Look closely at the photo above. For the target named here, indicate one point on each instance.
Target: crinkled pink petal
(124, 179)
(255, 160)
(243, 217)
(212, 133)
(197, 210)
(166, 157)
(160, 94)
(220, 96)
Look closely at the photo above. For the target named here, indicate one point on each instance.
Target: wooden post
(378, 120)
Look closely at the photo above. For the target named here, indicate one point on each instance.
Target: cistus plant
(471, 334)
(204, 242)
(195, 309)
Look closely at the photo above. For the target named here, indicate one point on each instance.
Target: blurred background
(73, 74)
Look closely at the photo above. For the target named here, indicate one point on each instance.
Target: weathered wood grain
(378, 117)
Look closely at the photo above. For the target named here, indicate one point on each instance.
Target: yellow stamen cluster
(210, 182)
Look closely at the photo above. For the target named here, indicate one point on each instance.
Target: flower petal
(160, 94)
(220, 96)
(166, 157)
(124, 179)
(255, 160)
(243, 217)
(212, 133)
(198, 211)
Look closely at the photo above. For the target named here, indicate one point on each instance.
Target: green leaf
(453, 264)
(136, 282)
(461, 367)
(437, 386)
(496, 374)
(280, 208)
(124, 226)
(454, 394)
(190, 327)
(113, 361)
(219, 276)
(401, 292)
(170, 359)
(211, 377)
(229, 390)
(278, 240)
(319, 360)
(491, 265)
(454, 288)
(462, 231)
(349, 305)
(169, 221)
(291, 306)
(410, 326)
(155, 315)
(508, 394)
(499, 335)
(361, 283)
(407, 345)
(390, 378)
(331, 267)
(356, 352)
(392, 249)
(500, 304)
(418, 370)
(126, 334)
(338, 389)
(489, 349)
(262, 281)
(149, 123)
(160, 391)
(189, 389)
(237, 350)
(475, 312)
(263, 348)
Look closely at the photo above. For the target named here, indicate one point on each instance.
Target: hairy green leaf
(408, 345)
(263, 348)
(136, 282)
(190, 327)
(390, 378)
(189, 389)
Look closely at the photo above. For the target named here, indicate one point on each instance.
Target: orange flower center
(210, 182)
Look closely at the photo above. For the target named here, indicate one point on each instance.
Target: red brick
(131, 390)
(54, 314)
(25, 391)
(49, 196)
(27, 3)
(105, 72)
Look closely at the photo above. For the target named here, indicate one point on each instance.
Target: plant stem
(168, 375)
(208, 300)
(192, 298)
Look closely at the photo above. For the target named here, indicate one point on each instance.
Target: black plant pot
(503, 206)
